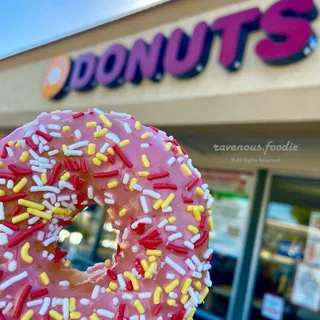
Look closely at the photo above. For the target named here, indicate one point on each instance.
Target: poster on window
(312, 252)
(306, 288)
(272, 307)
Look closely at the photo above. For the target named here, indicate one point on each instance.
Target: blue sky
(28, 23)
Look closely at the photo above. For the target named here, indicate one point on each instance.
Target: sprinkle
(156, 253)
(151, 270)
(133, 279)
(122, 157)
(78, 115)
(121, 281)
(91, 149)
(115, 301)
(144, 295)
(105, 313)
(188, 244)
(197, 275)
(202, 239)
(55, 315)
(122, 213)
(195, 238)
(13, 280)
(64, 283)
(145, 161)
(171, 161)
(140, 221)
(24, 156)
(73, 153)
(105, 146)
(12, 266)
(171, 228)
(91, 124)
(66, 129)
(157, 295)
(139, 306)
(95, 292)
(127, 296)
(105, 120)
(137, 125)
(101, 133)
(170, 276)
(162, 223)
(165, 186)
(145, 135)
(10, 184)
(168, 201)
(207, 253)
(34, 303)
(124, 143)
(171, 302)
(112, 184)
(50, 240)
(144, 145)
(171, 286)
(19, 218)
(79, 144)
(144, 204)
(5, 229)
(126, 178)
(84, 301)
(39, 293)
(101, 157)
(175, 236)
(175, 266)
(127, 127)
(193, 229)
(24, 252)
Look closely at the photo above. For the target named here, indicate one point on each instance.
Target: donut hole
(91, 239)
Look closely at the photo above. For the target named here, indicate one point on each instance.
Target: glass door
(287, 282)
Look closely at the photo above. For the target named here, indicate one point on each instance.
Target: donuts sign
(288, 38)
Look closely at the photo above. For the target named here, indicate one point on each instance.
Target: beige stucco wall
(258, 93)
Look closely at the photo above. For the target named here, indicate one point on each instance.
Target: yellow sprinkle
(145, 161)
(31, 204)
(123, 245)
(72, 304)
(24, 252)
(156, 253)
(152, 259)
(111, 213)
(186, 285)
(96, 162)
(94, 317)
(40, 214)
(112, 184)
(18, 144)
(108, 290)
(101, 157)
(196, 214)
(211, 225)
(184, 299)
(133, 279)
(110, 150)
(157, 204)
(186, 169)
(168, 146)
(180, 153)
(20, 185)
(61, 211)
(166, 203)
(139, 306)
(105, 120)
(132, 183)
(113, 286)
(193, 229)
(20, 217)
(144, 265)
(171, 286)
(151, 270)
(192, 207)
(137, 125)
(101, 133)
(199, 191)
(91, 124)
(1, 164)
(198, 285)
(124, 143)
(24, 156)
(75, 315)
(44, 178)
(171, 302)
(11, 143)
(66, 129)
(67, 263)
(204, 294)
(44, 279)
(28, 315)
(209, 212)
(143, 173)
(2, 193)
(157, 295)
(64, 147)
(65, 176)
(91, 149)
(190, 316)
(145, 135)
(108, 263)
(55, 315)
(122, 212)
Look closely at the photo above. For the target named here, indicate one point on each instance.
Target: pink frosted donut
(55, 166)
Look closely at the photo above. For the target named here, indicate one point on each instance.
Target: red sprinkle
(21, 301)
(202, 239)
(174, 317)
(59, 255)
(19, 171)
(25, 234)
(156, 309)
(177, 249)
(67, 164)
(186, 200)
(121, 310)
(39, 293)
(44, 135)
(112, 274)
(111, 158)
(158, 175)
(151, 247)
(1, 273)
(165, 186)
(108, 174)
(139, 268)
(77, 115)
(47, 317)
(2, 316)
(65, 223)
(9, 176)
(83, 165)
(124, 159)
(150, 236)
(16, 210)
(150, 242)
(182, 312)
(191, 183)
(80, 198)
(74, 165)
(154, 128)
(31, 144)
(203, 221)
(129, 285)
(12, 226)
(77, 182)
(90, 110)
(4, 152)
(54, 174)
(13, 197)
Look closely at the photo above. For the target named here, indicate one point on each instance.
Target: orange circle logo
(56, 76)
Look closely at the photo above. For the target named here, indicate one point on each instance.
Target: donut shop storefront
(238, 85)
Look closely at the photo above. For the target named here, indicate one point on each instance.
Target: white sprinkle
(42, 128)
(175, 236)
(46, 166)
(196, 274)
(35, 162)
(98, 201)
(13, 280)
(55, 134)
(95, 292)
(127, 127)
(173, 295)
(109, 201)
(34, 303)
(73, 152)
(40, 236)
(53, 152)
(170, 276)
(142, 317)
(44, 189)
(98, 128)
(119, 114)
(167, 209)
(104, 147)
(34, 154)
(45, 254)
(198, 174)
(190, 264)
(121, 281)
(10, 184)
(137, 187)
(113, 137)
(195, 238)
(126, 178)
(180, 159)
(10, 152)
(135, 317)
(37, 180)
(162, 223)
(45, 306)
(77, 134)
(84, 301)
(193, 295)
(188, 244)
(125, 234)
(47, 204)
(38, 169)
(7, 308)
(144, 295)
(134, 249)
(175, 266)
(144, 145)
(105, 313)
(50, 240)
(8, 255)
(196, 260)
(209, 203)
(2, 304)
(103, 290)
(200, 267)
(127, 296)
(43, 160)
(46, 148)
(35, 139)
(3, 239)
(54, 127)
(207, 253)
(23, 144)
(2, 181)
(79, 144)
(33, 220)
(171, 161)
(98, 111)
(64, 283)
(115, 301)
(74, 198)
(90, 192)
(59, 301)
(207, 280)
(5, 229)
(64, 198)
(144, 204)
(54, 302)
(65, 184)
(142, 220)
(65, 309)
(171, 228)
(206, 194)
(1, 211)
(188, 312)
(151, 193)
